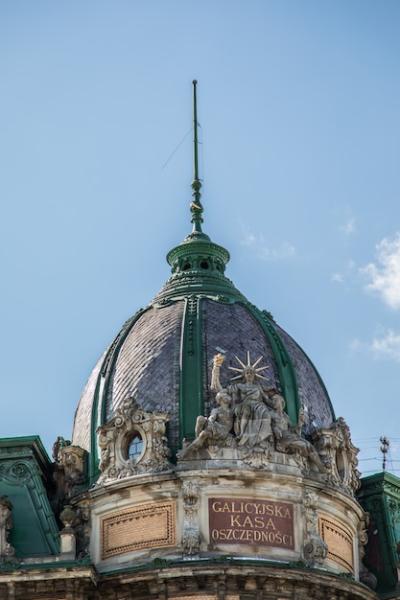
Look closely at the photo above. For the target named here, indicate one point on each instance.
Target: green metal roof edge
(373, 489)
(27, 440)
(381, 476)
(62, 564)
(34, 483)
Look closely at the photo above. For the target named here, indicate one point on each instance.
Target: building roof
(163, 355)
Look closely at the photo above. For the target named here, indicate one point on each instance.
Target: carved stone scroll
(339, 455)
(131, 423)
(191, 533)
(315, 549)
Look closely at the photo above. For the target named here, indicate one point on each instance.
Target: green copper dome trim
(193, 250)
(189, 282)
(102, 389)
(198, 267)
(94, 455)
(191, 401)
(286, 371)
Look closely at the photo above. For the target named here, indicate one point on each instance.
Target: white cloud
(342, 276)
(265, 252)
(384, 274)
(386, 346)
(349, 227)
(337, 277)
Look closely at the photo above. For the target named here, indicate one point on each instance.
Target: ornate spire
(197, 255)
(196, 207)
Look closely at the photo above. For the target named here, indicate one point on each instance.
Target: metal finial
(384, 449)
(196, 207)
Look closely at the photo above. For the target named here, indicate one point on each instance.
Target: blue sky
(299, 110)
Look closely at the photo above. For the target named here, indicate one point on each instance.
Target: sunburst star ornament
(248, 367)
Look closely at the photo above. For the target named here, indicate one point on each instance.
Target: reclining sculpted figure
(214, 429)
(288, 437)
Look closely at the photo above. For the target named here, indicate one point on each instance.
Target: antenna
(385, 444)
(195, 131)
(196, 207)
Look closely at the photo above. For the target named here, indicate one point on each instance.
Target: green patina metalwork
(196, 207)
(286, 372)
(76, 566)
(191, 377)
(25, 473)
(380, 497)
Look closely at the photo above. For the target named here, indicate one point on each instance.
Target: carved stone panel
(145, 432)
(251, 522)
(339, 455)
(191, 537)
(315, 550)
(151, 525)
(339, 541)
(6, 524)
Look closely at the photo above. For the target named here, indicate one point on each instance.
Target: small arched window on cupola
(135, 447)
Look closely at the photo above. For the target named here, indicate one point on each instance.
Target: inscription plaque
(339, 541)
(251, 522)
(144, 526)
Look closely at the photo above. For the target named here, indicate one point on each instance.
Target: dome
(162, 357)
(161, 360)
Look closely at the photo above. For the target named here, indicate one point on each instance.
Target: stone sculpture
(191, 532)
(129, 422)
(366, 576)
(67, 534)
(7, 552)
(339, 455)
(249, 421)
(315, 549)
(288, 438)
(252, 416)
(249, 424)
(69, 467)
(214, 429)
